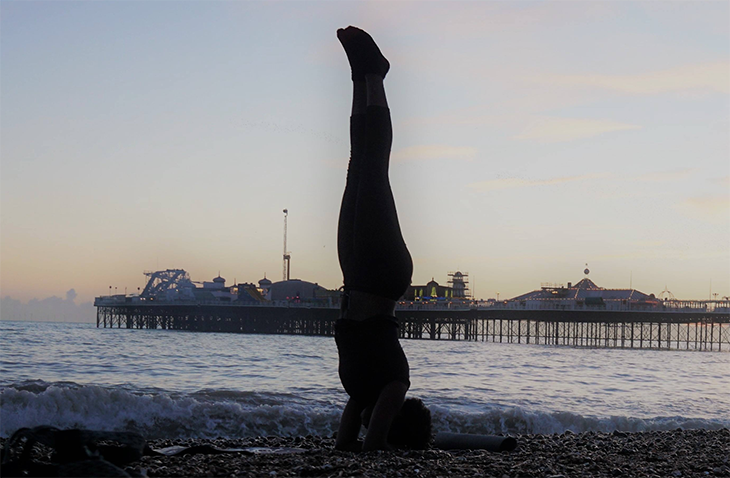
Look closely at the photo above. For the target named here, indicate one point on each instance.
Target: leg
(355, 42)
(364, 92)
(372, 253)
(380, 264)
(349, 427)
(345, 232)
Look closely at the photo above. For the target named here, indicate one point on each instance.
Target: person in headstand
(377, 269)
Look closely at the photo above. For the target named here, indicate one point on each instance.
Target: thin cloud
(336, 163)
(714, 209)
(667, 254)
(512, 183)
(661, 252)
(706, 76)
(476, 20)
(648, 243)
(460, 117)
(666, 176)
(434, 151)
(554, 130)
(290, 128)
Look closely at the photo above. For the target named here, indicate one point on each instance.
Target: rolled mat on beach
(464, 441)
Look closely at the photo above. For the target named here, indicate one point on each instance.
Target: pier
(580, 315)
(676, 325)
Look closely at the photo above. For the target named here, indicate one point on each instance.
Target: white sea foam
(180, 384)
(209, 414)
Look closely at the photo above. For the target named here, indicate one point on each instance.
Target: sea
(178, 384)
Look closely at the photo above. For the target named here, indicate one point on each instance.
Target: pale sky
(530, 138)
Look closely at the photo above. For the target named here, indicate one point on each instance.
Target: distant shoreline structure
(175, 287)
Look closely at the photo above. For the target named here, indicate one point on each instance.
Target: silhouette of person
(377, 269)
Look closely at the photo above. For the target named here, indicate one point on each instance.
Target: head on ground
(411, 428)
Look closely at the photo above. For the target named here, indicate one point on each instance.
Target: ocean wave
(160, 414)
(234, 414)
(518, 420)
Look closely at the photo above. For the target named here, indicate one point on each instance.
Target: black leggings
(373, 255)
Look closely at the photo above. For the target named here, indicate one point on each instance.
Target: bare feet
(363, 54)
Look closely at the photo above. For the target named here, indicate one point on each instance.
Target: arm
(349, 427)
(386, 408)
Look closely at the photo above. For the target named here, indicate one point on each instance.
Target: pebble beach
(651, 454)
(678, 453)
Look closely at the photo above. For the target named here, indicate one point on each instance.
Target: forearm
(387, 407)
(349, 429)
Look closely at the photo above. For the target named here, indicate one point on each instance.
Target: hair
(411, 428)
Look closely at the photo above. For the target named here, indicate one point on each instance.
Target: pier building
(300, 290)
(458, 289)
(585, 293)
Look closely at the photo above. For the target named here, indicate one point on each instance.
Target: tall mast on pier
(287, 255)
